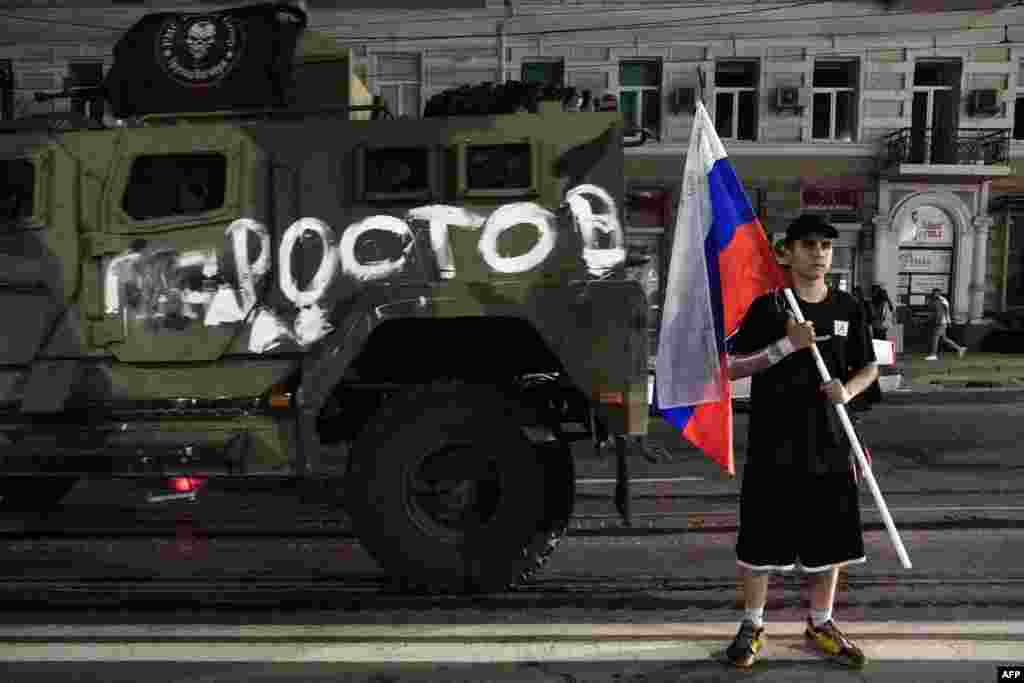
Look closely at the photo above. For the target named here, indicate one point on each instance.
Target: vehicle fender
(322, 370)
(606, 352)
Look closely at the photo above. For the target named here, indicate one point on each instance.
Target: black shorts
(790, 519)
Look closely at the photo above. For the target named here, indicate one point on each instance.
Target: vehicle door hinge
(101, 243)
(106, 331)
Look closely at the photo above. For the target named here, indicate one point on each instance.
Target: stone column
(979, 268)
(881, 223)
(963, 260)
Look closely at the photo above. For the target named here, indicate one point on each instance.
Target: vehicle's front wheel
(447, 493)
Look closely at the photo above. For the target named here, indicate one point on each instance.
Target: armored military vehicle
(427, 312)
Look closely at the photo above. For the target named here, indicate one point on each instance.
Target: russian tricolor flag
(721, 261)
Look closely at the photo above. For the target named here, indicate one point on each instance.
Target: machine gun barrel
(82, 92)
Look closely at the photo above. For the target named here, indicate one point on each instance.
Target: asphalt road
(913, 447)
(655, 602)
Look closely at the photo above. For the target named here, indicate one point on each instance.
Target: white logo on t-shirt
(841, 327)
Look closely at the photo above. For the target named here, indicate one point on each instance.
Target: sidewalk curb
(940, 396)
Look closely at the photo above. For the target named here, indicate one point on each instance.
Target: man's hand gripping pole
(857, 450)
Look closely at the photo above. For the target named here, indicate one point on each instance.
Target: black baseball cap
(809, 224)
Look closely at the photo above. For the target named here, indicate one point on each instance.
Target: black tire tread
(394, 412)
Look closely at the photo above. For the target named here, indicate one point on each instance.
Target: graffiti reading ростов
(170, 288)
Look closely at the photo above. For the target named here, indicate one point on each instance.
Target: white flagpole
(858, 451)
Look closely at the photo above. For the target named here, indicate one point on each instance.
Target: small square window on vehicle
(498, 167)
(17, 183)
(395, 173)
(160, 186)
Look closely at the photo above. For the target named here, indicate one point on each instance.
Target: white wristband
(780, 349)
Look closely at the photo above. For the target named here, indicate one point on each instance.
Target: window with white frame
(1018, 119)
(1018, 110)
(835, 100)
(398, 82)
(85, 74)
(640, 94)
(736, 99)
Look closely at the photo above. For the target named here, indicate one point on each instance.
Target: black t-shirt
(791, 421)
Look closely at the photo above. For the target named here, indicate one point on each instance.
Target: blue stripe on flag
(728, 202)
(730, 209)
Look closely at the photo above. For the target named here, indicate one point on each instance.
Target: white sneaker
(931, 358)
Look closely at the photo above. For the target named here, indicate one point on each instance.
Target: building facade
(904, 126)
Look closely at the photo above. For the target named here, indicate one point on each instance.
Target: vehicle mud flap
(622, 495)
(443, 491)
(559, 500)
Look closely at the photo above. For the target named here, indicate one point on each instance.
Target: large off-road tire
(447, 493)
(36, 493)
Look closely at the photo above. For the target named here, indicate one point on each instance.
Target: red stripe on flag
(748, 269)
(710, 427)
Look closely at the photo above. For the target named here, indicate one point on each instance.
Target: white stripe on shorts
(799, 566)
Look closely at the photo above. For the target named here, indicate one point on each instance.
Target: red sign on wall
(830, 198)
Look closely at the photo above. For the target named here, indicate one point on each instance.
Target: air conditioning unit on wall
(788, 98)
(985, 102)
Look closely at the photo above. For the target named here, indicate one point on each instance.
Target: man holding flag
(799, 505)
(798, 501)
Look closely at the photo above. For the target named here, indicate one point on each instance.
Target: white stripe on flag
(688, 367)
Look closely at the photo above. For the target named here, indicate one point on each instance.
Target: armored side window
(175, 185)
(396, 173)
(499, 167)
(17, 179)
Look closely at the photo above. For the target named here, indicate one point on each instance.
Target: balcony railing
(960, 146)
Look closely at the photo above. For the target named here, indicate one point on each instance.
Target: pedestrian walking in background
(883, 312)
(799, 507)
(858, 295)
(940, 323)
(873, 394)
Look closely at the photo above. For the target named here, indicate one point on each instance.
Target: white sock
(755, 615)
(820, 616)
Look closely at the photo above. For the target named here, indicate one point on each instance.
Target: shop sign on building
(927, 226)
(926, 260)
(833, 193)
(830, 198)
(924, 284)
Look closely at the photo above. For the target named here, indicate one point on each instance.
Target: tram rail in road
(661, 505)
(368, 591)
(920, 517)
(595, 515)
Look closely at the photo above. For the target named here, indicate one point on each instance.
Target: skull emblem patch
(199, 50)
(199, 38)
